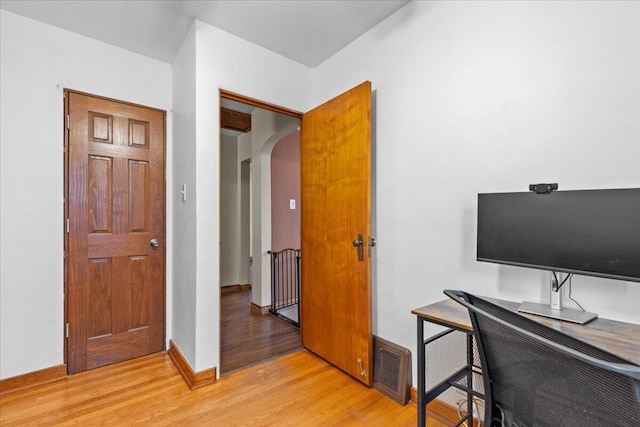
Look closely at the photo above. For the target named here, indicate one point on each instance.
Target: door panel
(335, 163)
(116, 206)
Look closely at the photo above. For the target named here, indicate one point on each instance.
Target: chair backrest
(537, 376)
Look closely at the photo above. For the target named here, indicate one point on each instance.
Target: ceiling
(306, 31)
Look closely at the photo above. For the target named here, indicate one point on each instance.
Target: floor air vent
(392, 370)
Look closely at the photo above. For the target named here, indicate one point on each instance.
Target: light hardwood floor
(298, 389)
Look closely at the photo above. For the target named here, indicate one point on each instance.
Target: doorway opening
(251, 222)
(336, 241)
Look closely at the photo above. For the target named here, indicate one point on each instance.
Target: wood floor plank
(297, 389)
(247, 338)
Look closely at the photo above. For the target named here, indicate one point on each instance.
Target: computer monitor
(586, 232)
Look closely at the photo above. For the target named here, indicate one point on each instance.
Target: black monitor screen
(591, 232)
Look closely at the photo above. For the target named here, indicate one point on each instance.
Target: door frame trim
(65, 233)
(232, 96)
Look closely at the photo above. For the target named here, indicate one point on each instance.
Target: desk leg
(422, 411)
(470, 378)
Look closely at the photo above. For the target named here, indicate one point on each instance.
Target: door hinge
(68, 119)
(66, 330)
(67, 226)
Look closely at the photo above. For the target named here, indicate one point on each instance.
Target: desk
(619, 338)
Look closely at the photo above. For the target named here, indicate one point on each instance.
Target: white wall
(222, 61)
(184, 211)
(489, 97)
(244, 177)
(36, 62)
(229, 211)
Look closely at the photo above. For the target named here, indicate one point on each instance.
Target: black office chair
(537, 376)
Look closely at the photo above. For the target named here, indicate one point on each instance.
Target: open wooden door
(335, 165)
(115, 255)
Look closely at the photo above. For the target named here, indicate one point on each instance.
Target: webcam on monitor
(543, 188)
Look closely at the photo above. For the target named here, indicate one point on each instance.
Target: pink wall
(285, 185)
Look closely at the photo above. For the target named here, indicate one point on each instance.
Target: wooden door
(115, 195)
(335, 164)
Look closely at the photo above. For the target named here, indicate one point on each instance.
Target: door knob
(358, 243)
(154, 243)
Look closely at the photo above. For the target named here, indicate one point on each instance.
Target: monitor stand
(566, 314)
(554, 309)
